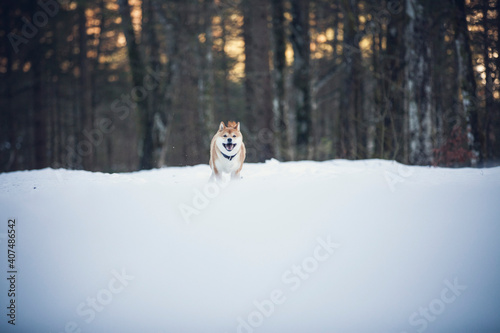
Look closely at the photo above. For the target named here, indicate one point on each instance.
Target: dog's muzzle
(229, 146)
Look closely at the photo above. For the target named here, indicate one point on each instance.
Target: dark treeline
(118, 85)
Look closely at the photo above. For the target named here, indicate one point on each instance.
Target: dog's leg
(236, 174)
(216, 175)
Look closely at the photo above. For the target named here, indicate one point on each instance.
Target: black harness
(229, 157)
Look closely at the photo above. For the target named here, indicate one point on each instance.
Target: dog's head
(229, 138)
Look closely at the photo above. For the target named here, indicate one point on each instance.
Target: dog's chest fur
(225, 165)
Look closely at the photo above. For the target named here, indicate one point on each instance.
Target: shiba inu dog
(227, 151)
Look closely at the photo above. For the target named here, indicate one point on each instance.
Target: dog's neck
(229, 157)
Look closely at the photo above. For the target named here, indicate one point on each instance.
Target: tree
(186, 76)
(300, 40)
(418, 85)
(257, 75)
(351, 102)
(489, 77)
(39, 108)
(206, 80)
(392, 130)
(158, 118)
(138, 69)
(467, 81)
(8, 119)
(85, 90)
(279, 77)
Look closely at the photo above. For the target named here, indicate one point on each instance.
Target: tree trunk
(8, 117)
(488, 88)
(467, 81)
(257, 76)
(138, 74)
(185, 91)
(99, 48)
(166, 114)
(300, 40)
(224, 64)
(393, 138)
(85, 90)
(279, 75)
(39, 110)
(206, 79)
(351, 101)
(418, 91)
(155, 98)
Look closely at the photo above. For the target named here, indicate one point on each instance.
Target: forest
(123, 85)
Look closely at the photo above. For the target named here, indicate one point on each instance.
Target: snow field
(335, 246)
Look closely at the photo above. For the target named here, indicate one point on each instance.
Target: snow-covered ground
(336, 246)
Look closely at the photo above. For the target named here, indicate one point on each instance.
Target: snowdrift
(336, 246)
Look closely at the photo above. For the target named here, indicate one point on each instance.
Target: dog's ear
(221, 126)
(238, 126)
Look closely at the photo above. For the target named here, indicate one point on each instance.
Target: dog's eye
(234, 136)
(225, 135)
